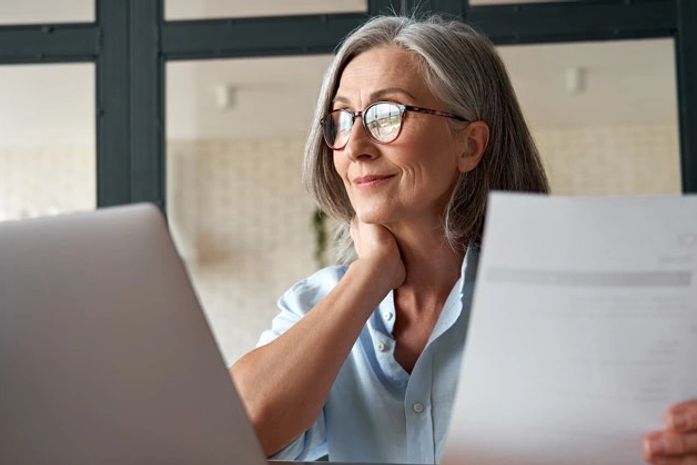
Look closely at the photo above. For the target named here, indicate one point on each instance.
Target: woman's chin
(373, 217)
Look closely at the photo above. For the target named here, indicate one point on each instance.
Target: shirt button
(382, 346)
(388, 316)
(418, 407)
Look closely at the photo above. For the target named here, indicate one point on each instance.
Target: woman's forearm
(284, 384)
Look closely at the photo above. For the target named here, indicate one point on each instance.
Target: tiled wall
(611, 160)
(241, 217)
(45, 180)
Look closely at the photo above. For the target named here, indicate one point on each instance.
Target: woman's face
(417, 172)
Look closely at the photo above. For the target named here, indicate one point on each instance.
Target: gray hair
(463, 70)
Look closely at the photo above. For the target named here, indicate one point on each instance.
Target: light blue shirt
(376, 411)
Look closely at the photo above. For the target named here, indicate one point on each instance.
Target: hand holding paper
(677, 444)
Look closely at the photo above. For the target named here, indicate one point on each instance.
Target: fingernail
(654, 446)
(678, 420)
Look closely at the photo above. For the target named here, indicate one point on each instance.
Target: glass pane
(238, 212)
(197, 9)
(47, 139)
(603, 114)
(46, 11)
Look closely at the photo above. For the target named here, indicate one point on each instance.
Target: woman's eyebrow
(340, 99)
(390, 90)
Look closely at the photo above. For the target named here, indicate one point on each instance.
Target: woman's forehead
(380, 71)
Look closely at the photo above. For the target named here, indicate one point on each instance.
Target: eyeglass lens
(383, 121)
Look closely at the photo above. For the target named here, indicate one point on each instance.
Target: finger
(355, 236)
(687, 403)
(683, 416)
(663, 460)
(670, 443)
(353, 230)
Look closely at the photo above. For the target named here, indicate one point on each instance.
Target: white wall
(47, 139)
(246, 217)
(188, 9)
(43, 105)
(46, 11)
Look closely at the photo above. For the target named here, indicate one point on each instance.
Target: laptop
(105, 354)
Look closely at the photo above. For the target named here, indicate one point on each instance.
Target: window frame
(130, 44)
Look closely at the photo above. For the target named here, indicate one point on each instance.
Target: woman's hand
(677, 444)
(376, 245)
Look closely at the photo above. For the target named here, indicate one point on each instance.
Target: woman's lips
(371, 180)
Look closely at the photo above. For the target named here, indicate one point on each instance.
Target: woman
(417, 122)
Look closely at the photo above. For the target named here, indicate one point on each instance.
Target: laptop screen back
(105, 355)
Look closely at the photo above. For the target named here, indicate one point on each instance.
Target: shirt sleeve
(293, 305)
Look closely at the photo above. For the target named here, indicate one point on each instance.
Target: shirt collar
(459, 297)
(461, 294)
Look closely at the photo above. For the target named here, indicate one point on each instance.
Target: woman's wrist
(375, 274)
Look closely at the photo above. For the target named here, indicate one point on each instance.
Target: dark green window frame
(130, 42)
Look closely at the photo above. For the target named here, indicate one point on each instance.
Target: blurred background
(604, 114)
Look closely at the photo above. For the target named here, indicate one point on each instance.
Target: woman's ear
(476, 139)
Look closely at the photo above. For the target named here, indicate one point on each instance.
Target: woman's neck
(432, 266)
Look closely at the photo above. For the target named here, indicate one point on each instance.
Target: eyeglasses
(381, 120)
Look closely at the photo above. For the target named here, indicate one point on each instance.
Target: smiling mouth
(371, 180)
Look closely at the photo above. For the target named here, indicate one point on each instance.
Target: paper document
(583, 330)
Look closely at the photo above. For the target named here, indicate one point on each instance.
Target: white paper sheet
(583, 330)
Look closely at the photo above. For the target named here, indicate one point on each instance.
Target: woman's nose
(359, 145)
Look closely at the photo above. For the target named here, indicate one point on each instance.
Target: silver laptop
(105, 355)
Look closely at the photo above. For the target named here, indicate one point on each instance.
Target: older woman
(416, 122)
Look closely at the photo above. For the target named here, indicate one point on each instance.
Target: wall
(46, 180)
(241, 218)
(605, 160)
